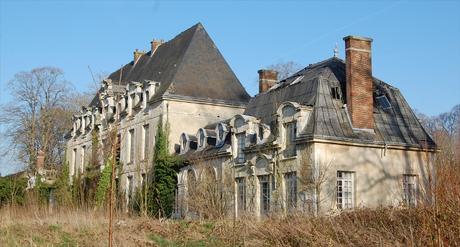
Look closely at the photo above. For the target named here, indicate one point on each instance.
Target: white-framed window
(145, 141)
(241, 142)
(290, 135)
(345, 189)
(241, 194)
(131, 146)
(265, 194)
(410, 189)
(290, 180)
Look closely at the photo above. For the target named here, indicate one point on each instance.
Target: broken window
(335, 92)
(410, 189)
(264, 183)
(290, 136)
(241, 142)
(383, 102)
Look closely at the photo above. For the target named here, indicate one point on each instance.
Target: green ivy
(161, 192)
(103, 185)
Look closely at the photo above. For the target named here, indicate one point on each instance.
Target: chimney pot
(359, 83)
(267, 78)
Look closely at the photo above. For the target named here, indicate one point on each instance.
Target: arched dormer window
(288, 111)
(221, 131)
(239, 122)
(201, 139)
(183, 143)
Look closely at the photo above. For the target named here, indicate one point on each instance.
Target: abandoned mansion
(329, 137)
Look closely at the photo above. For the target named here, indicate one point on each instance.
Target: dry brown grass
(433, 225)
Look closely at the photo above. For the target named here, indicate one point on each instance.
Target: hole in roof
(383, 102)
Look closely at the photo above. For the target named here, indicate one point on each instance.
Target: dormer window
(183, 143)
(239, 122)
(201, 139)
(383, 102)
(221, 134)
(335, 93)
(288, 111)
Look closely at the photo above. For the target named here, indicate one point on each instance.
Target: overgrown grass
(427, 225)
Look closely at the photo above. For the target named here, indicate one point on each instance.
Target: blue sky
(416, 43)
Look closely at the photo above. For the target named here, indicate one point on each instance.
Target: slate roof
(189, 65)
(397, 125)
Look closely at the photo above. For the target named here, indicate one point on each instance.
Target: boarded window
(410, 189)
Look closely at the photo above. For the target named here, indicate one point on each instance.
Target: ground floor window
(291, 190)
(264, 183)
(241, 194)
(410, 189)
(130, 189)
(345, 195)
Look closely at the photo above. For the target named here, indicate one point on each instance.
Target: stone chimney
(154, 45)
(137, 55)
(359, 82)
(267, 78)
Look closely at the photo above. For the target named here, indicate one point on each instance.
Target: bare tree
(38, 115)
(285, 69)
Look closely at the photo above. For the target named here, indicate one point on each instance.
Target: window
(288, 111)
(183, 143)
(335, 93)
(239, 122)
(129, 188)
(383, 102)
(264, 183)
(410, 189)
(241, 139)
(131, 146)
(221, 132)
(345, 193)
(261, 133)
(291, 132)
(74, 160)
(82, 157)
(291, 190)
(202, 138)
(241, 194)
(145, 143)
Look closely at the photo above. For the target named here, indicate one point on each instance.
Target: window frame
(290, 180)
(241, 194)
(265, 194)
(240, 145)
(131, 150)
(410, 198)
(347, 201)
(145, 141)
(290, 137)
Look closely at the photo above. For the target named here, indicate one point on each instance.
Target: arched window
(288, 111)
(220, 130)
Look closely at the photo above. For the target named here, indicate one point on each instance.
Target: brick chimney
(154, 45)
(137, 55)
(359, 82)
(267, 78)
(40, 165)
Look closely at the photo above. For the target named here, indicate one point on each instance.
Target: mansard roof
(189, 65)
(312, 85)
